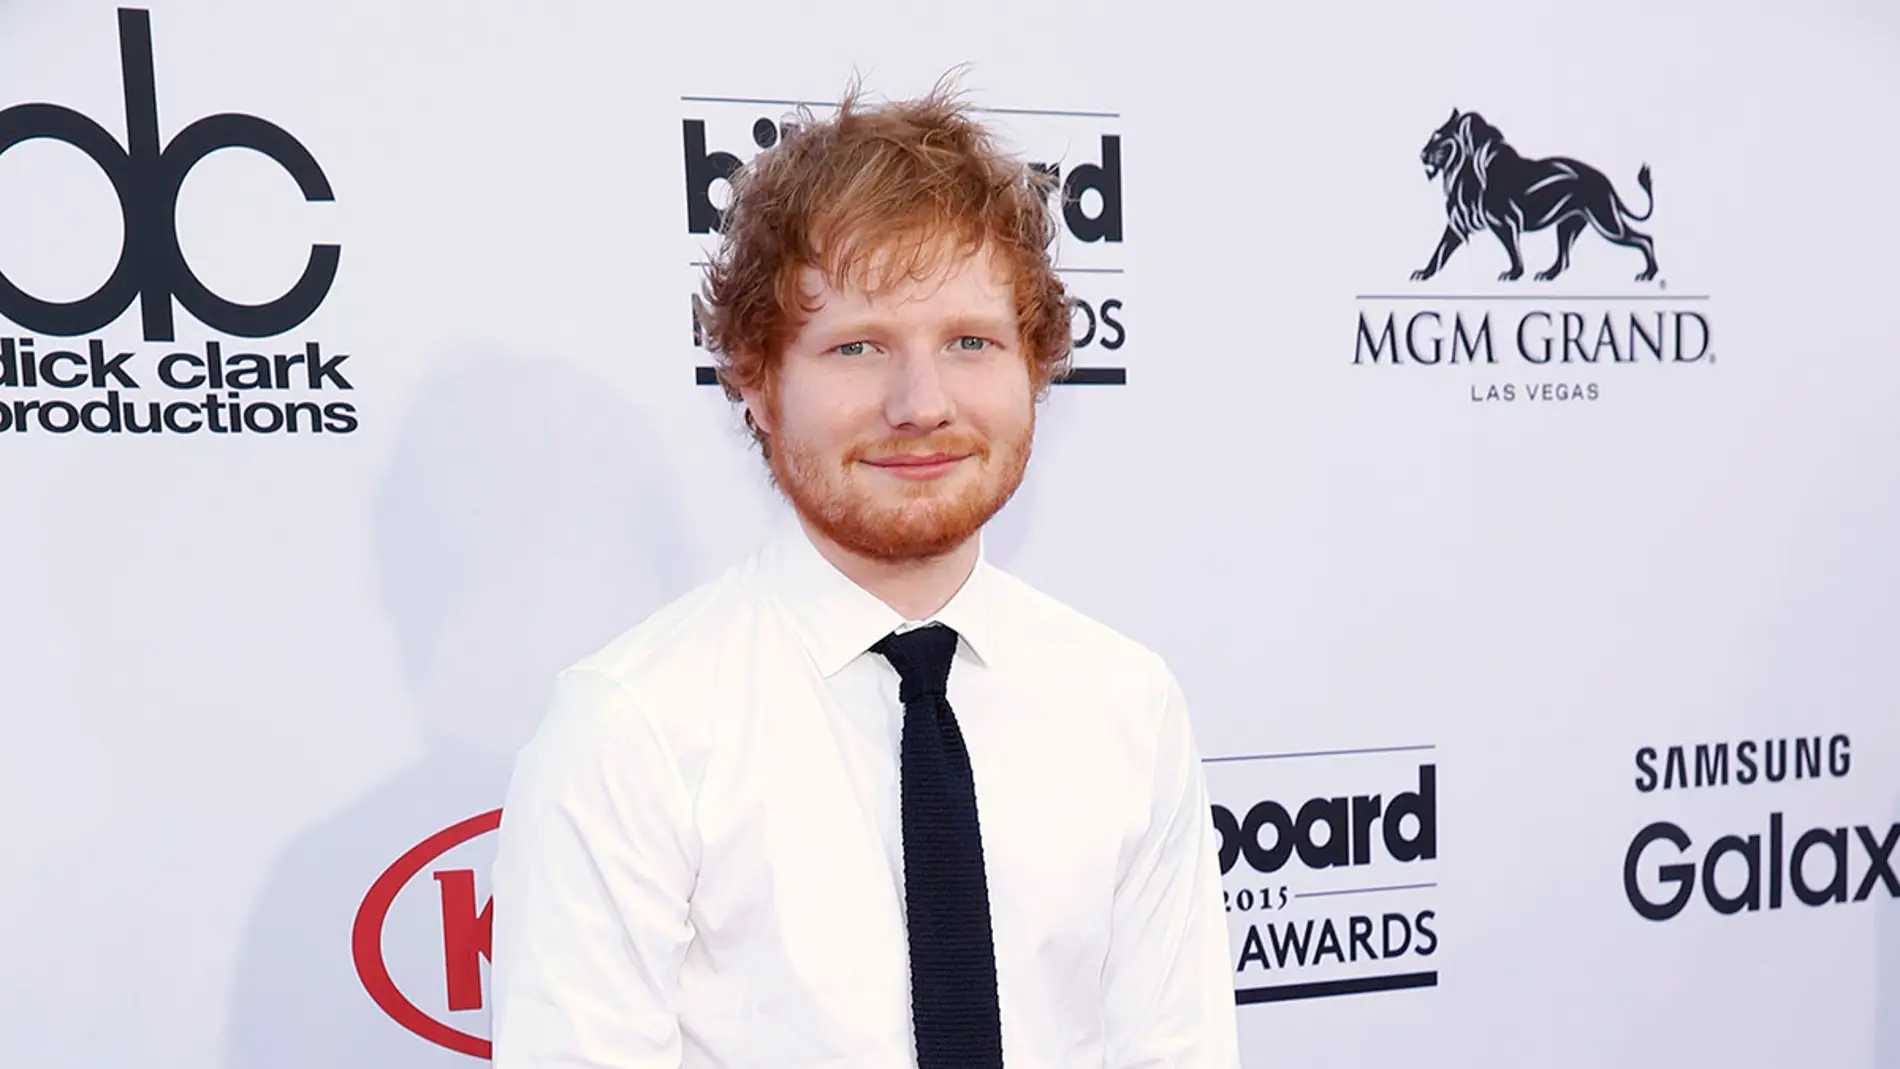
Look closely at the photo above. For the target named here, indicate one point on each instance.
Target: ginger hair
(871, 196)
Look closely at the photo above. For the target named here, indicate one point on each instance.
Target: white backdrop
(243, 676)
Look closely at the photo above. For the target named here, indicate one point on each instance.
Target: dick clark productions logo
(209, 390)
(147, 177)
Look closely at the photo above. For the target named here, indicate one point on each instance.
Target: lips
(918, 465)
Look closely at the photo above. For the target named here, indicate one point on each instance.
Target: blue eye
(970, 343)
(850, 348)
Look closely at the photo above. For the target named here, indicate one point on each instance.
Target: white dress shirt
(701, 867)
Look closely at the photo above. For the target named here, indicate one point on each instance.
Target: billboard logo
(1330, 832)
(1098, 219)
(1335, 894)
(721, 135)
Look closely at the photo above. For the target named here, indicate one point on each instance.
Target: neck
(915, 589)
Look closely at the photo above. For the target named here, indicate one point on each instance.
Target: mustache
(955, 444)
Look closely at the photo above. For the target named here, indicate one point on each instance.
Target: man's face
(901, 421)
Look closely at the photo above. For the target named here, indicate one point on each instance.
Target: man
(866, 800)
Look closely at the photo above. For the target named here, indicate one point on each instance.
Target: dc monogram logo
(147, 178)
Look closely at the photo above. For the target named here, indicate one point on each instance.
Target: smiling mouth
(919, 465)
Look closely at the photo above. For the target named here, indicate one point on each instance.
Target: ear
(1454, 116)
(757, 408)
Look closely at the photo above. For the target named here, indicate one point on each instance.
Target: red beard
(913, 522)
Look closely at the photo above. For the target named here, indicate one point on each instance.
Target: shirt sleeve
(592, 876)
(1169, 984)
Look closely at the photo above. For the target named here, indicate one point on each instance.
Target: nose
(915, 395)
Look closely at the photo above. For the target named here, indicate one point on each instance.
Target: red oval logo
(465, 937)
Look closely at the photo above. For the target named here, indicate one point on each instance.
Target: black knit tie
(954, 1012)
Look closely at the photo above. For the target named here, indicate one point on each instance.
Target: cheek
(1001, 401)
(824, 411)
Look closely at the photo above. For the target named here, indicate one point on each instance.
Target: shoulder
(680, 642)
(648, 698)
(1082, 648)
(1114, 703)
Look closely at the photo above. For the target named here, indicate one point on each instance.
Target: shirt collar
(838, 620)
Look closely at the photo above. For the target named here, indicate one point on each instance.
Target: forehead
(913, 282)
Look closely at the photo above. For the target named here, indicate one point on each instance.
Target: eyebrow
(956, 326)
(980, 324)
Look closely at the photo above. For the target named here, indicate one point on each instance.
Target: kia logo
(467, 935)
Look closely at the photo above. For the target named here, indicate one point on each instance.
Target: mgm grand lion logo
(1488, 186)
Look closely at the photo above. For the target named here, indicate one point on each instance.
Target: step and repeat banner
(1492, 415)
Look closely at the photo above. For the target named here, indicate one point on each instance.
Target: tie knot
(922, 659)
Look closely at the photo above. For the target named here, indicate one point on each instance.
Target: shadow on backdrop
(523, 521)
